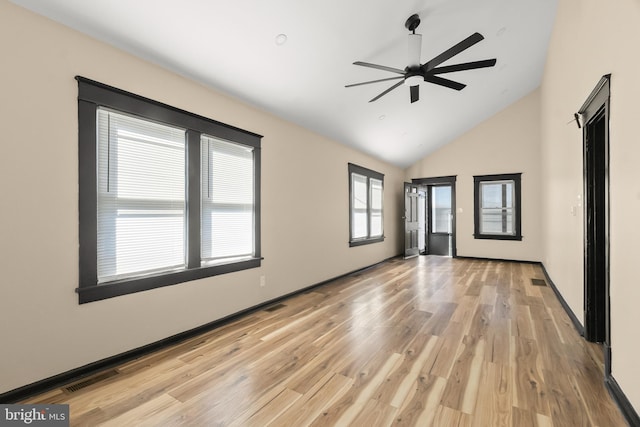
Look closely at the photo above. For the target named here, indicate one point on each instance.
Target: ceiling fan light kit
(413, 80)
(415, 73)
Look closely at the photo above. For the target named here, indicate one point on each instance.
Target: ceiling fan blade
(374, 81)
(387, 91)
(444, 82)
(453, 51)
(379, 67)
(462, 67)
(415, 47)
(415, 93)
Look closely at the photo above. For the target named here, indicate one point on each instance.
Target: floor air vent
(91, 380)
(538, 282)
(275, 307)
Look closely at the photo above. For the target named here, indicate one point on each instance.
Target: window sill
(496, 237)
(90, 293)
(361, 242)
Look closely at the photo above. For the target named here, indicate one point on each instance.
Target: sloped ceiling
(232, 47)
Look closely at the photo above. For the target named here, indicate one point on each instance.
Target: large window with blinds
(166, 196)
(497, 207)
(365, 205)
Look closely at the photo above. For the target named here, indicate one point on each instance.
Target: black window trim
(516, 178)
(353, 168)
(91, 96)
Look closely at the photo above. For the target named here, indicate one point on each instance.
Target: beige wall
(592, 38)
(508, 142)
(43, 330)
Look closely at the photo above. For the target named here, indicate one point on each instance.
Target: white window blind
(376, 208)
(359, 195)
(227, 211)
(141, 197)
(497, 207)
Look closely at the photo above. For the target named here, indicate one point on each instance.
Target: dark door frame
(443, 180)
(597, 253)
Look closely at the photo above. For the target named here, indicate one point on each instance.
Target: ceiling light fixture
(281, 39)
(413, 80)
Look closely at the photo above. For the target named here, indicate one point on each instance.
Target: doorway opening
(430, 226)
(595, 136)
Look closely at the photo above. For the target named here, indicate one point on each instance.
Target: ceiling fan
(415, 73)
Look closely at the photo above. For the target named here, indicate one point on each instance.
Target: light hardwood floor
(429, 341)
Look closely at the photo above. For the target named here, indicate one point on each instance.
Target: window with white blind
(166, 196)
(497, 207)
(365, 205)
(141, 197)
(227, 200)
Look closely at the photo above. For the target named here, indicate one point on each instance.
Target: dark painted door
(440, 220)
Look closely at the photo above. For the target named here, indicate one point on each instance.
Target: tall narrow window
(497, 207)
(365, 206)
(359, 203)
(227, 200)
(375, 213)
(441, 209)
(165, 196)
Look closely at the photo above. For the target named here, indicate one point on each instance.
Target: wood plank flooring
(429, 341)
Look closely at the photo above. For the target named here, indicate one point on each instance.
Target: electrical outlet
(263, 281)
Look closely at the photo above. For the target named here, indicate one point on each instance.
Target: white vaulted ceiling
(231, 46)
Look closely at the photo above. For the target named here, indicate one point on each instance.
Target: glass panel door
(441, 224)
